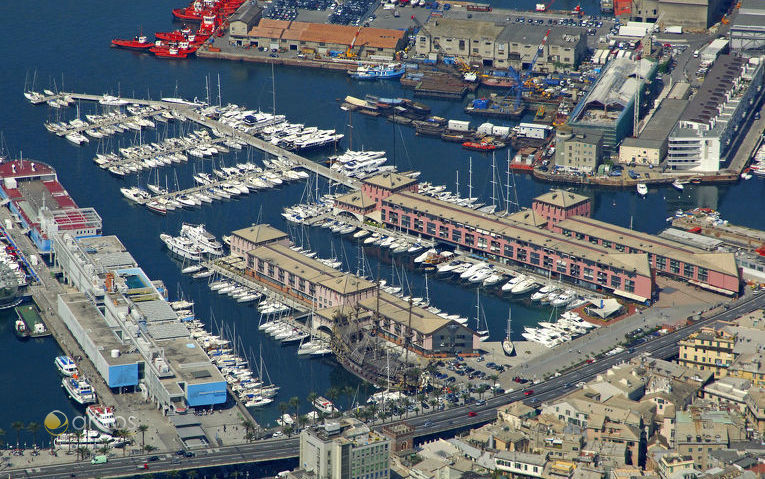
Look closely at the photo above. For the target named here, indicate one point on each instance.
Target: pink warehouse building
(555, 237)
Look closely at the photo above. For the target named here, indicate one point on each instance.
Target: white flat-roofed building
(711, 124)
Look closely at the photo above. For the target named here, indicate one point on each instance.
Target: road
(426, 425)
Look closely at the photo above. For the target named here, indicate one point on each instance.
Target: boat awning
(632, 296)
(709, 287)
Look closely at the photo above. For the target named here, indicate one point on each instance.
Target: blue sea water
(65, 44)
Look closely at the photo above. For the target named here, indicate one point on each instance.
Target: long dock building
(556, 238)
(127, 328)
(270, 260)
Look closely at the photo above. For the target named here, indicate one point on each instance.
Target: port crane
(520, 78)
(349, 52)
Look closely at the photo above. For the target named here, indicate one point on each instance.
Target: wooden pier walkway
(187, 111)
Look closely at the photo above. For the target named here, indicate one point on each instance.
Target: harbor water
(64, 45)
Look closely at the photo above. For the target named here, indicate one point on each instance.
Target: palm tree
(18, 426)
(302, 421)
(149, 448)
(283, 406)
(33, 427)
(248, 427)
(295, 402)
(104, 449)
(348, 391)
(83, 452)
(78, 436)
(494, 379)
(288, 430)
(332, 394)
(142, 428)
(2, 434)
(312, 396)
(481, 389)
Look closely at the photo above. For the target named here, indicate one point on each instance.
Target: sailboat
(483, 334)
(507, 344)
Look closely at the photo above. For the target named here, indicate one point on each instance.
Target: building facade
(578, 152)
(346, 450)
(716, 117)
(708, 350)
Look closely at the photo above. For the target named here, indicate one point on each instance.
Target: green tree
(295, 403)
(312, 396)
(17, 426)
(83, 452)
(333, 394)
(348, 391)
(142, 429)
(288, 430)
(283, 406)
(33, 427)
(149, 448)
(494, 378)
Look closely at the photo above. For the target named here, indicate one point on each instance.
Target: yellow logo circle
(56, 423)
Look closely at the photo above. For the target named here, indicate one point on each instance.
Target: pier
(187, 111)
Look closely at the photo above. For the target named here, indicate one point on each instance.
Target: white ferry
(86, 438)
(324, 405)
(102, 417)
(79, 389)
(65, 365)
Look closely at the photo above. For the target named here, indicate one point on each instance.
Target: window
(469, 239)
(703, 274)
(688, 270)
(431, 228)
(443, 232)
(509, 251)
(482, 242)
(405, 221)
(674, 266)
(456, 235)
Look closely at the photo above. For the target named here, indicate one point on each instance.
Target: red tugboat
(138, 43)
(483, 145)
(168, 52)
(174, 36)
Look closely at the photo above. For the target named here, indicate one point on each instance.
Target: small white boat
(677, 185)
(65, 365)
(642, 189)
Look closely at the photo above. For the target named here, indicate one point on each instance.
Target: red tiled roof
(320, 32)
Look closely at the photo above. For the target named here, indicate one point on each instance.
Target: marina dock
(186, 111)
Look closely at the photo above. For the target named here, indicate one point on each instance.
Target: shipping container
(533, 130)
(458, 125)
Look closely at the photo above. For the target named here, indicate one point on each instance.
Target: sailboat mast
(458, 182)
(493, 180)
(220, 100)
(507, 185)
(470, 178)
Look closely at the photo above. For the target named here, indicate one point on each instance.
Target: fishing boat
(79, 389)
(21, 330)
(140, 42)
(507, 344)
(102, 417)
(383, 72)
(65, 365)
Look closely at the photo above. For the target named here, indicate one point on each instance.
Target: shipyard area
(643, 96)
